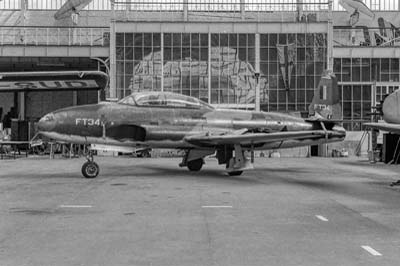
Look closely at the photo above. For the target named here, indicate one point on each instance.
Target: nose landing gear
(90, 169)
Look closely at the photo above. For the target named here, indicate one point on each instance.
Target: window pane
(204, 40)
(223, 40)
(356, 93)
(167, 39)
(195, 39)
(128, 39)
(243, 40)
(264, 40)
(157, 39)
(251, 40)
(148, 39)
(138, 39)
(186, 39)
(273, 39)
(233, 40)
(176, 37)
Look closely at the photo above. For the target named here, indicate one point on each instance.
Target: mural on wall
(368, 28)
(223, 70)
(233, 81)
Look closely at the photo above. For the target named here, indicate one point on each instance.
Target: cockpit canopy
(164, 99)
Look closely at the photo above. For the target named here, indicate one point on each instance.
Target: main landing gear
(194, 159)
(90, 169)
(236, 164)
(196, 165)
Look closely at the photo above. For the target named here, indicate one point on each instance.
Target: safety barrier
(55, 36)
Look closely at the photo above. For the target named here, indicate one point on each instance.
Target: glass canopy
(164, 99)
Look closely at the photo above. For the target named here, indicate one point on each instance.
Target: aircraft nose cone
(391, 108)
(46, 123)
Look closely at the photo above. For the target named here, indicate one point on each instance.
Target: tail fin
(326, 101)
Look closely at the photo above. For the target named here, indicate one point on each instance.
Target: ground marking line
(371, 251)
(222, 206)
(322, 218)
(76, 206)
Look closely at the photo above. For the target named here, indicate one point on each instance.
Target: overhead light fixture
(49, 64)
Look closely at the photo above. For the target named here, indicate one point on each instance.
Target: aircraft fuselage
(161, 127)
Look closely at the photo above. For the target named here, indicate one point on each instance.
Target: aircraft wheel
(235, 173)
(90, 169)
(195, 165)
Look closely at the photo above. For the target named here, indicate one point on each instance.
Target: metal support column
(257, 68)
(242, 9)
(209, 73)
(330, 36)
(162, 61)
(113, 65)
(185, 10)
(24, 7)
(22, 105)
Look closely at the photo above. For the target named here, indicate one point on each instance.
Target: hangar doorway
(26, 96)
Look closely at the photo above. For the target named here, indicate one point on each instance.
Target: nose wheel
(90, 169)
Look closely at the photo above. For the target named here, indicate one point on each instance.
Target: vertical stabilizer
(326, 100)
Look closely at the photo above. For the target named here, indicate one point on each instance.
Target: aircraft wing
(52, 81)
(255, 138)
(394, 128)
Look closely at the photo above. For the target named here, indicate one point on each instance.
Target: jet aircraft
(355, 7)
(174, 121)
(71, 7)
(390, 111)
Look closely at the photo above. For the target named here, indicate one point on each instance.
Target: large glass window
(186, 64)
(357, 77)
(356, 105)
(291, 66)
(138, 62)
(232, 68)
(222, 69)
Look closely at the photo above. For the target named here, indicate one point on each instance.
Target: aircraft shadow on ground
(181, 173)
(249, 177)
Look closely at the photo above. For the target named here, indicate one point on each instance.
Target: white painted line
(322, 218)
(76, 206)
(372, 251)
(222, 206)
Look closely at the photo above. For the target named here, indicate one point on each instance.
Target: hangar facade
(248, 54)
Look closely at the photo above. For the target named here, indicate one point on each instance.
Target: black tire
(235, 173)
(90, 170)
(195, 165)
